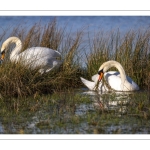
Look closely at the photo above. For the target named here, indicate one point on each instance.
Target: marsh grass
(18, 80)
(62, 112)
(24, 91)
(133, 120)
(130, 49)
(51, 112)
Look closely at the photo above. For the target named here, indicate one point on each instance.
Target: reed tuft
(130, 49)
(17, 80)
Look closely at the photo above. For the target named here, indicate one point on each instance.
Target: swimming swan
(117, 81)
(42, 57)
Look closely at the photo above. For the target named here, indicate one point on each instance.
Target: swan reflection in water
(115, 101)
(112, 88)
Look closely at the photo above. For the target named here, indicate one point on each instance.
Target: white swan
(42, 57)
(118, 81)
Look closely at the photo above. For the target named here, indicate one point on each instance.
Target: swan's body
(118, 81)
(42, 57)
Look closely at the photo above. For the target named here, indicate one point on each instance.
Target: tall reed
(130, 49)
(18, 80)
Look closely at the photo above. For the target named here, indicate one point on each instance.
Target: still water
(74, 23)
(82, 112)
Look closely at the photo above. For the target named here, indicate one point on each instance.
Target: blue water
(124, 23)
(76, 23)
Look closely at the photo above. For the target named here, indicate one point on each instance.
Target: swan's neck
(122, 73)
(117, 65)
(18, 46)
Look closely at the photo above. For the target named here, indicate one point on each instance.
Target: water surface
(82, 112)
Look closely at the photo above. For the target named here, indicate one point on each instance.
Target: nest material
(105, 84)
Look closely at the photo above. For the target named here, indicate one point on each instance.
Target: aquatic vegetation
(74, 112)
(131, 50)
(80, 58)
(17, 80)
(56, 102)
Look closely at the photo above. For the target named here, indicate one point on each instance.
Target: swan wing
(95, 78)
(114, 80)
(40, 56)
(40, 53)
(89, 84)
(134, 86)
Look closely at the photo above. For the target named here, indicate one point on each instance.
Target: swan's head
(101, 73)
(104, 67)
(4, 48)
(6, 43)
(3, 52)
(107, 65)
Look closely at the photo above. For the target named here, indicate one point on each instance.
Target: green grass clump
(17, 80)
(130, 49)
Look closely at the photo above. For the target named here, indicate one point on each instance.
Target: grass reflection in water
(77, 112)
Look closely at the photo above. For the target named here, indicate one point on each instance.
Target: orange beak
(101, 73)
(2, 55)
(100, 76)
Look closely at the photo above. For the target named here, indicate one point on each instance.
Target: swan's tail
(88, 84)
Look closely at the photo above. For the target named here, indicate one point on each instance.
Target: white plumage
(42, 57)
(118, 81)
